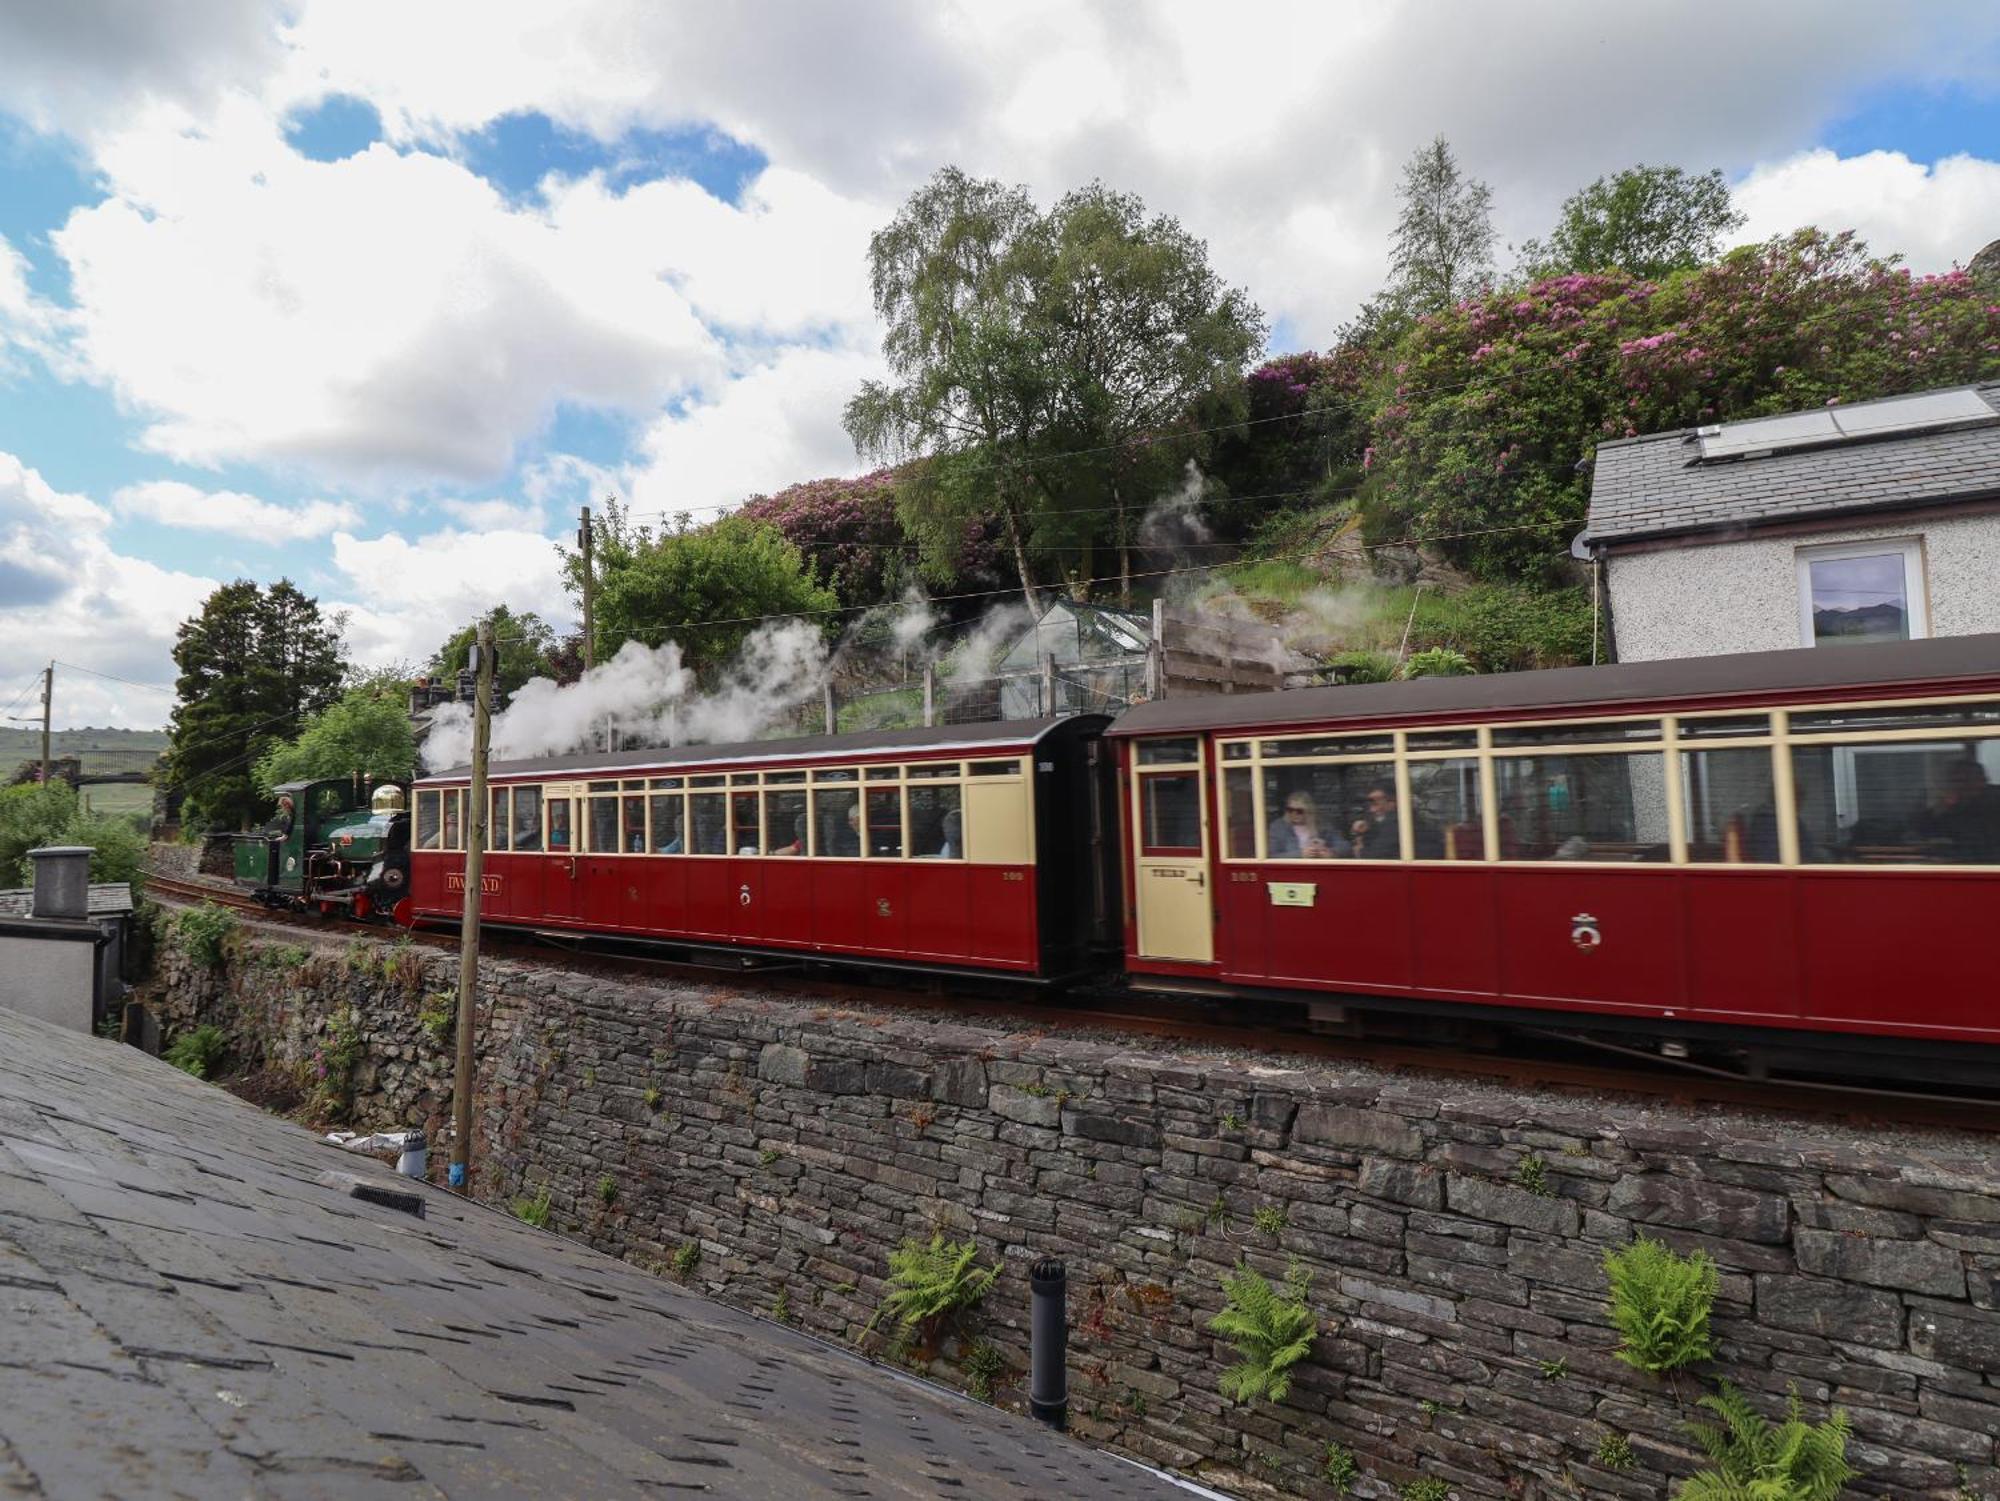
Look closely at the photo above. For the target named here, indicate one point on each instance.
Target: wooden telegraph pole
(583, 544)
(468, 933)
(48, 692)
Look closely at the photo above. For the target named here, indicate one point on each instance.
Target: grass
(119, 799)
(533, 1211)
(103, 752)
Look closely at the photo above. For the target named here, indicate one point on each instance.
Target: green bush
(1506, 627)
(1363, 666)
(205, 933)
(929, 1282)
(198, 1050)
(1758, 1460)
(439, 1016)
(1430, 1488)
(1438, 662)
(1272, 1330)
(687, 1257)
(1660, 1304)
(533, 1211)
(1340, 1469)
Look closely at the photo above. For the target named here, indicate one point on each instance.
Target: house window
(1862, 591)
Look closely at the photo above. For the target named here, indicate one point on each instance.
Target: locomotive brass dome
(387, 799)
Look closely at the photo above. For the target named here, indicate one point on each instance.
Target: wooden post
(583, 542)
(1156, 653)
(832, 708)
(930, 694)
(468, 933)
(48, 692)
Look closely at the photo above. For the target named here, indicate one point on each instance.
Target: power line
(109, 677)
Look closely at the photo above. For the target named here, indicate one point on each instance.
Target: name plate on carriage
(1293, 893)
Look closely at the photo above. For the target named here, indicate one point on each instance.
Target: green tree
(528, 648)
(1015, 335)
(1645, 220)
(32, 817)
(367, 730)
(1443, 247)
(252, 667)
(705, 587)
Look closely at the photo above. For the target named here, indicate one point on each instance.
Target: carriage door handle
(572, 867)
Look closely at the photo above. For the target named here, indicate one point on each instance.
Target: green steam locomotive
(334, 846)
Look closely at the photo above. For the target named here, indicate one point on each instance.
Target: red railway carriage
(1805, 842)
(967, 848)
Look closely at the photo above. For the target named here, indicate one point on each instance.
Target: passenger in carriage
(1962, 823)
(1295, 834)
(797, 843)
(1378, 834)
(847, 836)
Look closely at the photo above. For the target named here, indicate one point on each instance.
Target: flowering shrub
(849, 532)
(1485, 409)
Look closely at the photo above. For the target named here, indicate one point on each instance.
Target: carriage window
(666, 784)
(1345, 745)
(451, 841)
(996, 768)
(1172, 811)
(710, 817)
(743, 779)
(1726, 727)
(602, 787)
(667, 838)
(1331, 812)
(1972, 716)
(883, 773)
(632, 832)
(1927, 802)
(838, 774)
(498, 825)
(837, 821)
(559, 833)
(1445, 820)
(1731, 806)
(885, 822)
(1180, 752)
(1437, 740)
(604, 824)
(1236, 750)
(527, 833)
(932, 770)
(428, 821)
(1602, 807)
(1239, 813)
(745, 834)
(785, 823)
(706, 781)
(937, 823)
(1596, 732)
(784, 779)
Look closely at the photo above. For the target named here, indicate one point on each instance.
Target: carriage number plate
(1293, 893)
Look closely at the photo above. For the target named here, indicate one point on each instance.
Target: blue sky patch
(44, 180)
(337, 127)
(1926, 124)
(516, 152)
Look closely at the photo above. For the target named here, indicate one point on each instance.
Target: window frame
(1916, 595)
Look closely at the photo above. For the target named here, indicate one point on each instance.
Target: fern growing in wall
(928, 1282)
(1758, 1460)
(1660, 1304)
(1272, 1330)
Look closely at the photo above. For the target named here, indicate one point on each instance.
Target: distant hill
(103, 751)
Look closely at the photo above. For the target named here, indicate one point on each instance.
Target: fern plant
(1272, 1330)
(1660, 1304)
(1758, 1460)
(198, 1050)
(927, 1282)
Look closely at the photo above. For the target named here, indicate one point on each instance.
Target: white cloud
(65, 594)
(407, 595)
(374, 319)
(495, 515)
(775, 425)
(1937, 216)
(176, 504)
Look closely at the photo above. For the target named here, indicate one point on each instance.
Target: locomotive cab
(324, 847)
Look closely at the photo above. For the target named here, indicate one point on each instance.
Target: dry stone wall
(1454, 1233)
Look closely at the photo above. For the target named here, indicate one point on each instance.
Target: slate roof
(1652, 486)
(193, 1309)
(107, 899)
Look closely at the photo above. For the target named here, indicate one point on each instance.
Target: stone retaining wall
(1459, 1287)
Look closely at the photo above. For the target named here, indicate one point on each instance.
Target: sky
(374, 295)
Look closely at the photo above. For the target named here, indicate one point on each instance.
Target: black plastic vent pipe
(1048, 1348)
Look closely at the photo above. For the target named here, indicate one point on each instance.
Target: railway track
(1530, 1062)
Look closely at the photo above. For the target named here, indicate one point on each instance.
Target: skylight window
(1928, 411)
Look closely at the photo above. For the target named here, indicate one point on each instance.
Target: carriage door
(563, 809)
(1170, 850)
